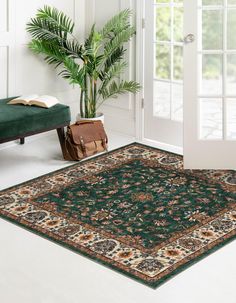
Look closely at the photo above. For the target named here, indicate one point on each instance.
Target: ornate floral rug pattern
(133, 209)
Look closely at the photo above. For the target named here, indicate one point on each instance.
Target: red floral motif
(173, 252)
(125, 254)
(142, 197)
(207, 234)
(86, 238)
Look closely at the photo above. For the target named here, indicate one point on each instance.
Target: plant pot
(99, 116)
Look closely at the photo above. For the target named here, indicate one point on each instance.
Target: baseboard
(171, 148)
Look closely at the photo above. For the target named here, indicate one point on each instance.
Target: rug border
(69, 166)
(153, 285)
(84, 161)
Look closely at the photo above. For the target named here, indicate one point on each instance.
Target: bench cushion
(17, 120)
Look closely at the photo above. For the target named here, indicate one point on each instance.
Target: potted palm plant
(95, 65)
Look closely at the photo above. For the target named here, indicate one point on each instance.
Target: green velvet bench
(20, 121)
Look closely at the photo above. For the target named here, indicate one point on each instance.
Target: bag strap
(83, 146)
(96, 146)
(104, 141)
(66, 154)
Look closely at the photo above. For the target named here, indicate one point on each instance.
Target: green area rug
(133, 209)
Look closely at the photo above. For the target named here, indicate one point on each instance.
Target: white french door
(210, 84)
(163, 76)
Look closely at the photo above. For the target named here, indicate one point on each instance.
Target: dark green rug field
(134, 209)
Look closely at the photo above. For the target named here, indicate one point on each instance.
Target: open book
(41, 101)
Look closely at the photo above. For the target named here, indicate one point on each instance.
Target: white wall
(119, 113)
(21, 71)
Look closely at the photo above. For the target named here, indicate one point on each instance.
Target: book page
(46, 100)
(25, 98)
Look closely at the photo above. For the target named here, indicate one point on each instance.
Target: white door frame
(140, 65)
(140, 19)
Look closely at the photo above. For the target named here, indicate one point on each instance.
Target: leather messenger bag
(84, 139)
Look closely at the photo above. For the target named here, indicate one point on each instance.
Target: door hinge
(143, 23)
(142, 103)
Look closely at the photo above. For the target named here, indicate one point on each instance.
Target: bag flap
(87, 132)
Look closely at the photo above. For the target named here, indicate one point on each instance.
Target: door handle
(190, 38)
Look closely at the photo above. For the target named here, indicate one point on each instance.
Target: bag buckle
(83, 146)
(82, 142)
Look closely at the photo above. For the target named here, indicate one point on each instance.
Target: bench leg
(61, 136)
(22, 140)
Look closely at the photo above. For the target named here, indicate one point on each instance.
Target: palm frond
(88, 41)
(114, 72)
(57, 18)
(53, 54)
(123, 87)
(118, 41)
(116, 24)
(73, 49)
(93, 43)
(50, 24)
(114, 57)
(73, 72)
(43, 30)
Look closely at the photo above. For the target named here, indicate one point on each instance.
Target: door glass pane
(211, 74)
(231, 29)
(178, 24)
(231, 118)
(212, 2)
(163, 22)
(212, 29)
(231, 75)
(177, 102)
(169, 59)
(178, 62)
(211, 119)
(214, 113)
(162, 1)
(162, 97)
(163, 62)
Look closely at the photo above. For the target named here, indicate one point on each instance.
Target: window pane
(178, 62)
(231, 75)
(162, 1)
(231, 29)
(177, 102)
(230, 2)
(162, 98)
(231, 118)
(162, 62)
(212, 29)
(211, 74)
(211, 119)
(178, 24)
(212, 2)
(163, 23)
